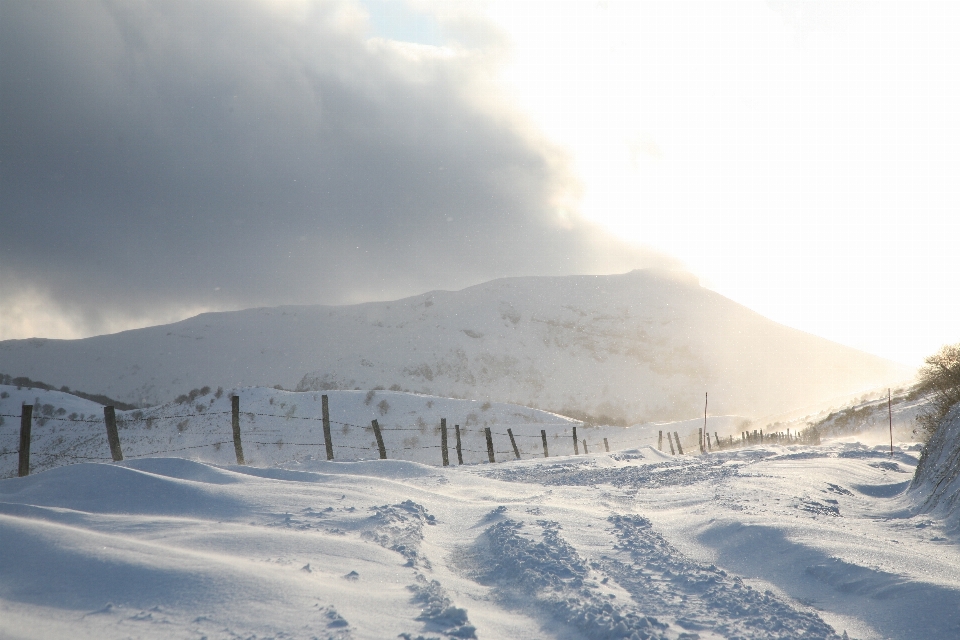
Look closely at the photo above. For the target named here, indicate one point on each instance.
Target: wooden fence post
(705, 432)
(700, 439)
(456, 429)
(576, 444)
(761, 436)
(670, 440)
(606, 445)
(327, 440)
(717, 438)
(376, 432)
(443, 442)
(677, 438)
(543, 436)
(513, 442)
(235, 405)
(585, 452)
(486, 432)
(660, 441)
(890, 416)
(110, 419)
(26, 421)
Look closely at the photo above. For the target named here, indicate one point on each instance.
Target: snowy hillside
(936, 487)
(865, 418)
(631, 348)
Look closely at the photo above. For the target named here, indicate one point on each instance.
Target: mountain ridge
(635, 347)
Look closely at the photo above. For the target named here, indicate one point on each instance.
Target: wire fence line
(77, 451)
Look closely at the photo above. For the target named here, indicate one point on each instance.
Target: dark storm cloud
(151, 152)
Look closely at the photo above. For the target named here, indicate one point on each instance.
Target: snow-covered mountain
(635, 347)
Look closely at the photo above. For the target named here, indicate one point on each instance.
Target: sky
(160, 159)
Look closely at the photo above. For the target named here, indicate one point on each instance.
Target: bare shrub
(939, 379)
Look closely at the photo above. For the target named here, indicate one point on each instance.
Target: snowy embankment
(936, 486)
(786, 542)
(283, 426)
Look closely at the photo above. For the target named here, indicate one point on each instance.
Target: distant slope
(635, 347)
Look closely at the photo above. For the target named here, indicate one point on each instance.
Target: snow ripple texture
(685, 471)
(399, 527)
(670, 596)
(699, 597)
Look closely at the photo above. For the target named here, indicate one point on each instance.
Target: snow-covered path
(754, 543)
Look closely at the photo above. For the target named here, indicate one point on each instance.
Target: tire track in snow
(556, 578)
(399, 527)
(699, 597)
(671, 597)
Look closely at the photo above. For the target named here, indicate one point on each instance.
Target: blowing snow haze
(162, 158)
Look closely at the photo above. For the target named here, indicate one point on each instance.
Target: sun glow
(796, 156)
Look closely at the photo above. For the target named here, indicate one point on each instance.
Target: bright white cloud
(799, 156)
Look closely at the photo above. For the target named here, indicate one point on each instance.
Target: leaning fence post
(516, 451)
(443, 442)
(677, 438)
(670, 440)
(660, 441)
(717, 438)
(26, 421)
(486, 432)
(605, 445)
(585, 452)
(327, 440)
(700, 439)
(380, 446)
(110, 419)
(456, 428)
(235, 402)
(576, 444)
(543, 436)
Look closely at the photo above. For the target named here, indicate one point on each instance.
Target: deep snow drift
(642, 346)
(786, 542)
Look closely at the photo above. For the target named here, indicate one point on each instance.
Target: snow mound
(936, 483)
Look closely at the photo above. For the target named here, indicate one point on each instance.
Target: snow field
(761, 542)
(757, 542)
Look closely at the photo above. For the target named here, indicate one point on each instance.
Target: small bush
(369, 397)
(193, 395)
(939, 378)
(384, 407)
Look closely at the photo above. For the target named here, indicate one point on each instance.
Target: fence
(253, 434)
